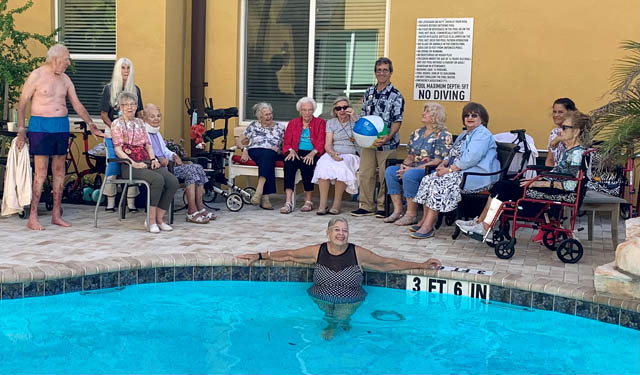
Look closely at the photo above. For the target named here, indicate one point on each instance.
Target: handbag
(136, 153)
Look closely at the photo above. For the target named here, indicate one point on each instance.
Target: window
(345, 37)
(89, 32)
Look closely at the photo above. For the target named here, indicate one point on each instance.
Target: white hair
(117, 85)
(56, 50)
(127, 96)
(306, 99)
(149, 107)
(258, 107)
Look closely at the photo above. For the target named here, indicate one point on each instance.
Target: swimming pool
(236, 327)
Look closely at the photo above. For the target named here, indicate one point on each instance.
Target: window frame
(311, 52)
(85, 56)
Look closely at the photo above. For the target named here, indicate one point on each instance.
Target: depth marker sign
(443, 59)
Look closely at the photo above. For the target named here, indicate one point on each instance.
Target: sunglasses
(565, 127)
(472, 115)
(343, 108)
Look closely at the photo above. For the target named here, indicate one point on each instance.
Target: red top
(294, 131)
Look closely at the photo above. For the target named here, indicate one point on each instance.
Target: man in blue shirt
(384, 100)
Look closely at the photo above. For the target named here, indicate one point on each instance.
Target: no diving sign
(445, 286)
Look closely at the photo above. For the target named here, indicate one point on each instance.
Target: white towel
(17, 180)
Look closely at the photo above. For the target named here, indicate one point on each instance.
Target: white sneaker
(478, 228)
(153, 228)
(466, 223)
(165, 227)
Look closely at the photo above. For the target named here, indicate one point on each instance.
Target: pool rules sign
(443, 59)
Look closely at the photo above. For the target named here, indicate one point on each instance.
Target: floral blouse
(265, 137)
(569, 163)
(560, 147)
(132, 132)
(434, 146)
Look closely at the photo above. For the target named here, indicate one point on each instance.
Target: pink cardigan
(294, 131)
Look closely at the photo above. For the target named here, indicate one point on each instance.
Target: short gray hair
(126, 95)
(438, 115)
(333, 222)
(338, 100)
(258, 107)
(56, 50)
(306, 99)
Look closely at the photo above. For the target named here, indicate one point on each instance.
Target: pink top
(129, 132)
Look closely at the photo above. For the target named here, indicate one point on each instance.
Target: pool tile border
(71, 277)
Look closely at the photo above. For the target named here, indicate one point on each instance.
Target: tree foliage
(16, 61)
(617, 123)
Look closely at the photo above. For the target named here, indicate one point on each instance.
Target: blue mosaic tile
(259, 273)
(542, 301)
(396, 281)
(128, 277)
(34, 289)
(500, 294)
(630, 319)
(608, 314)
(565, 305)
(202, 273)
(12, 291)
(310, 272)
(73, 284)
(110, 280)
(298, 274)
(224, 273)
(587, 309)
(240, 273)
(375, 278)
(91, 282)
(278, 274)
(520, 297)
(165, 274)
(184, 273)
(52, 287)
(147, 275)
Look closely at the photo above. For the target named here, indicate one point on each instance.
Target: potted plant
(16, 61)
(617, 123)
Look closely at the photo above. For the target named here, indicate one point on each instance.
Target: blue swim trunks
(48, 135)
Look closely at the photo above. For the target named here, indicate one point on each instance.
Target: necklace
(349, 132)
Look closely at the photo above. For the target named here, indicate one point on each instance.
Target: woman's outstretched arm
(368, 259)
(307, 254)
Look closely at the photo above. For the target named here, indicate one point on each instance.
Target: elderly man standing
(47, 89)
(383, 100)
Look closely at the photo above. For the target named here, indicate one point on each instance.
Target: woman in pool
(337, 280)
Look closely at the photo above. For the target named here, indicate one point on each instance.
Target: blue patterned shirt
(435, 146)
(388, 104)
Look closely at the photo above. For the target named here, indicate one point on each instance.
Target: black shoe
(361, 212)
(110, 209)
(135, 209)
(380, 214)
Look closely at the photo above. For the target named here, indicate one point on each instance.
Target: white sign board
(443, 59)
(445, 286)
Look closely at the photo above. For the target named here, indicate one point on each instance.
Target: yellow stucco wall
(525, 55)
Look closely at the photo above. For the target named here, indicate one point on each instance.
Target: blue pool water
(274, 328)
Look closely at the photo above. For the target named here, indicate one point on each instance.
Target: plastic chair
(112, 172)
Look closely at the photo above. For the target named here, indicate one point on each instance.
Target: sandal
(392, 218)
(197, 218)
(308, 206)
(333, 211)
(322, 212)
(406, 220)
(209, 215)
(287, 208)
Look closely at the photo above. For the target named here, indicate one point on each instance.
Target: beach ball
(367, 129)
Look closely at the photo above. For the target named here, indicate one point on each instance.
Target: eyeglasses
(378, 71)
(129, 105)
(565, 127)
(472, 115)
(343, 108)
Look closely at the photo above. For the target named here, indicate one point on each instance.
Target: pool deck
(57, 252)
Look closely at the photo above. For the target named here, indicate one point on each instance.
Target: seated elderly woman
(338, 276)
(131, 142)
(428, 145)
(473, 151)
(339, 165)
(193, 174)
(261, 142)
(574, 130)
(302, 145)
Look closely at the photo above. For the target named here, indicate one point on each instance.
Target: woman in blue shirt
(473, 151)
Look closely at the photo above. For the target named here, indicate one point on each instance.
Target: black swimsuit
(338, 278)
